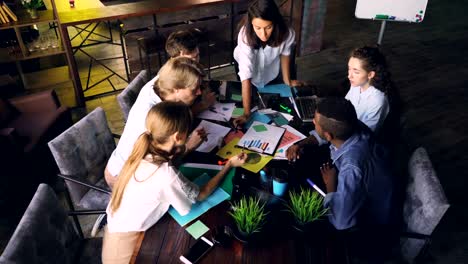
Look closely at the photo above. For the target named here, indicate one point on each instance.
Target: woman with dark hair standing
(263, 44)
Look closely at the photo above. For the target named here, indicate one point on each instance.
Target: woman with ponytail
(178, 81)
(148, 183)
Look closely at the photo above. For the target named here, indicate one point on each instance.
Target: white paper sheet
(218, 111)
(215, 136)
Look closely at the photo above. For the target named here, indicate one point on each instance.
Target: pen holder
(280, 183)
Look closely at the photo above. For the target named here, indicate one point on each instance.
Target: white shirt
(135, 126)
(371, 108)
(260, 65)
(148, 195)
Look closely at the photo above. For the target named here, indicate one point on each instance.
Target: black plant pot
(244, 237)
(316, 227)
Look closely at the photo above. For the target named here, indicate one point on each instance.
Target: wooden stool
(151, 45)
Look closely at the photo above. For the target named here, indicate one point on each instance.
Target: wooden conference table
(280, 243)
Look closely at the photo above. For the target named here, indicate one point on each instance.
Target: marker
(255, 108)
(316, 187)
(381, 17)
(222, 162)
(287, 109)
(261, 99)
(212, 109)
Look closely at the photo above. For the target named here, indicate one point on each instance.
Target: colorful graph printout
(290, 137)
(255, 161)
(262, 138)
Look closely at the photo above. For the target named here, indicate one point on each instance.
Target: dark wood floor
(429, 65)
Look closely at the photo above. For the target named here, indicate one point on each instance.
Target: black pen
(212, 109)
(229, 123)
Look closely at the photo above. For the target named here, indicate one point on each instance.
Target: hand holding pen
(196, 138)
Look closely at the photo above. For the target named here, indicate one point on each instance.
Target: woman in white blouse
(371, 94)
(370, 86)
(149, 184)
(263, 44)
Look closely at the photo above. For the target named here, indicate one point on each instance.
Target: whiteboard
(397, 10)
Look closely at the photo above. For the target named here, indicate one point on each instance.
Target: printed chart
(261, 138)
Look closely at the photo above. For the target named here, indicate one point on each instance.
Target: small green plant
(32, 4)
(249, 215)
(306, 206)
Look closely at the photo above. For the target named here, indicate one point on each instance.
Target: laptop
(302, 102)
(304, 107)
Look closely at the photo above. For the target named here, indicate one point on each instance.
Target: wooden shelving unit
(20, 53)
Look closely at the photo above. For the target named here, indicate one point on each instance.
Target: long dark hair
(266, 10)
(372, 59)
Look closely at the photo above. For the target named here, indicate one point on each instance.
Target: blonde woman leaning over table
(179, 81)
(149, 184)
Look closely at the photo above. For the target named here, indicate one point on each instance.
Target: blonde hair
(178, 73)
(162, 121)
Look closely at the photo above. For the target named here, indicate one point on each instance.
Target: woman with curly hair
(371, 88)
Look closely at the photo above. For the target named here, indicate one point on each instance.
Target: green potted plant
(249, 216)
(306, 206)
(32, 6)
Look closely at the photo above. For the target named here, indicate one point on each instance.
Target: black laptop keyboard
(307, 107)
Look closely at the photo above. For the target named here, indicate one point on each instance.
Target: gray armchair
(81, 153)
(129, 95)
(45, 234)
(424, 206)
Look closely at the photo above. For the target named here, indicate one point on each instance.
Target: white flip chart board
(396, 10)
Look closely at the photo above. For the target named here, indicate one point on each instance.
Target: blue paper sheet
(282, 89)
(256, 116)
(199, 208)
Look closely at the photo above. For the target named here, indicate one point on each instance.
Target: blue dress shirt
(364, 192)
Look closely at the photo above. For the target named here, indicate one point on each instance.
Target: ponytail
(139, 151)
(162, 121)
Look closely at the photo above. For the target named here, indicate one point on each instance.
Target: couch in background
(27, 123)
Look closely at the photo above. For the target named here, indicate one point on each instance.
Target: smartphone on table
(197, 251)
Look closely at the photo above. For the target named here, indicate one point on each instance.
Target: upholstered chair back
(424, 206)
(82, 152)
(45, 234)
(129, 95)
